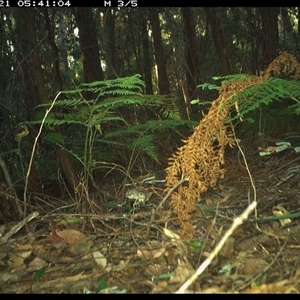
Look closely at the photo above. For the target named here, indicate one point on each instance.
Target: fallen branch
(17, 227)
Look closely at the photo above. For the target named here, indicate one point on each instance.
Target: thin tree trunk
(56, 78)
(298, 19)
(146, 62)
(289, 29)
(62, 41)
(181, 66)
(109, 43)
(160, 58)
(62, 155)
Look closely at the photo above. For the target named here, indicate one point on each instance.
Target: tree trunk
(269, 19)
(146, 61)
(253, 30)
(29, 58)
(180, 65)
(92, 70)
(56, 77)
(62, 155)
(160, 58)
(109, 43)
(33, 78)
(191, 50)
(219, 39)
(62, 37)
(298, 19)
(289, 30)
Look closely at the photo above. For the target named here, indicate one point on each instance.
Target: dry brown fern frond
(286, 64)
(201, 158)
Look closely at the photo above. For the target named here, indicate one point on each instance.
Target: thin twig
(32, 155)
(17, 227)
(236, 222)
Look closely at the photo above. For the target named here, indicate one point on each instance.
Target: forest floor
(130, 251)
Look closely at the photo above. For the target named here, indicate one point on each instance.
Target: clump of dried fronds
(201, 159)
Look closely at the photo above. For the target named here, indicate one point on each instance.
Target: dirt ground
(138, 249)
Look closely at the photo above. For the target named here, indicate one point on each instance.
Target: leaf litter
(114, 255)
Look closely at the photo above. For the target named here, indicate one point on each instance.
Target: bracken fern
(83, 120)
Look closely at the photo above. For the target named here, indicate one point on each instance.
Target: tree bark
(62, 37)
(109, 43)
(29, 58)
(180, 65)
(269, 19)
(298, 18)
(32, 75)
(191, 50)
(62, 155)
(56, 77)
(160, 58)
(146, 61)
(219, 39)
(92, 70)
(289, 30)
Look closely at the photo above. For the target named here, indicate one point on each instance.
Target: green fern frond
(150, 126)
(231, 77)
(295, 108)
(54, 121)
(161, 125)
(145, 144)
(166, 105)
(118, 92)
(62, 103)
(120, 101)
(273, 89)
(85, 119)
(133, 83)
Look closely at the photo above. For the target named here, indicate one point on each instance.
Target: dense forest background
(48, 50)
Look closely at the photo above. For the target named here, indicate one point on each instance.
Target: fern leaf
(145, 143)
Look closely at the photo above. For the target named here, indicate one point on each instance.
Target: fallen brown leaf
(156, 253)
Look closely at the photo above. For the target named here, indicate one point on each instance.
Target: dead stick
(18, 226)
